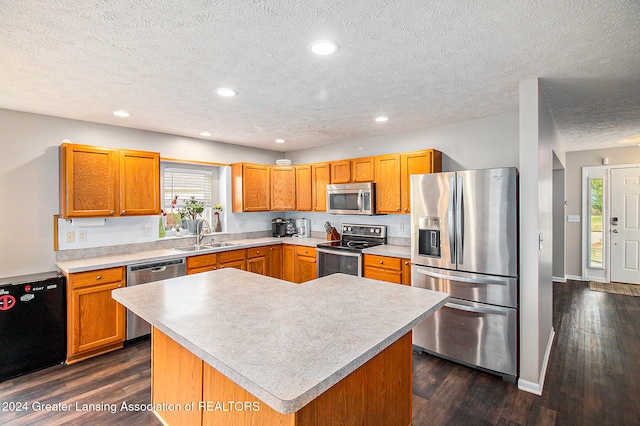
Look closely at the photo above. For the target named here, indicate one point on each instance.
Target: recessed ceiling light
(121, 114)
(226, 92)
(279, 140)
(382, 119)
(205, 134)
(323, 47)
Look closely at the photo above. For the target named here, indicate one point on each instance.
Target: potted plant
(191, 210)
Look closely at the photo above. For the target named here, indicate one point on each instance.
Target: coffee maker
(303, 228)
(279, 227)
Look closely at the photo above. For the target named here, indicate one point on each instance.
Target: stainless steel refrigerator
(464, 241)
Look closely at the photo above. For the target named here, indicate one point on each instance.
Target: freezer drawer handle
(461, 279)
(474, 309)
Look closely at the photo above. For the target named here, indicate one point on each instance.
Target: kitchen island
(231, 347)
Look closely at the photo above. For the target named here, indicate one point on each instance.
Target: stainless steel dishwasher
(143, 273)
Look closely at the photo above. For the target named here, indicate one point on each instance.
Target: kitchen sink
(204, 247)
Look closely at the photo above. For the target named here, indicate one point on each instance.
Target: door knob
(615, 231)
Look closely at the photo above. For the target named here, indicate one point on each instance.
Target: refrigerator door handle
(474, 309)
(461, 279)
(460, 222)
(450, 225)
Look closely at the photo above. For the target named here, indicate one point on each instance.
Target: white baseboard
(559, 279)
(574, 277)
(536, 388)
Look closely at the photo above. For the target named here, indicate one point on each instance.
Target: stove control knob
(377, 231)
(348, 229)
(371, 230)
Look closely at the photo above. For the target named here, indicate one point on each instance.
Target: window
(596, 235)
(186, 181)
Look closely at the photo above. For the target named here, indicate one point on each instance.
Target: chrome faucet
(200, 230)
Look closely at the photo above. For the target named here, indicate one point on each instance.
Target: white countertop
(111, 261)
(285, 343)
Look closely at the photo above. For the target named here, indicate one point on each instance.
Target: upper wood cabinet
(320, 178)
(303, 188)
(283, 188)
(103, 182)
(392, 177)
(416, 163)
(355, 170)
(388, 198)
(139, 183)
(250, 187)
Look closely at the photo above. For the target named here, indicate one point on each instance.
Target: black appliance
(279, 227)
(33, 319)
(345, 256)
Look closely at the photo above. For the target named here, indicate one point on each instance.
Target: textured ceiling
(419, 62)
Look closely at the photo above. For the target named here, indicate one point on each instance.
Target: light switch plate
(573, 218)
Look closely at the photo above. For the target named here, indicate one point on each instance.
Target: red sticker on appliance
(7, 302)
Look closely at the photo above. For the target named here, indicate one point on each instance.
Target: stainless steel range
(345, 256)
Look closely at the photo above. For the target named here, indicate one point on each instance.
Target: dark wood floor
(593, 378)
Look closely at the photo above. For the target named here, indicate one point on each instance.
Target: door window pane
(596, 236)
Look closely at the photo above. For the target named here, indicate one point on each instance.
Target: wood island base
(187, 391)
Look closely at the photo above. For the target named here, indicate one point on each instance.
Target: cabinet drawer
(384, 262)
(305, 251)
(229, 256)
(99, 276)
(256, 252)
(202, 261)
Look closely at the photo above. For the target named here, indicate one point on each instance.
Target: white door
(625, 225)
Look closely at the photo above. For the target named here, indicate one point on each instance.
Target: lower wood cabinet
(274, 258)
(213, 261)
(386, 268)
(95, 322)
(289, 262)
(305, 265)
(257, 260)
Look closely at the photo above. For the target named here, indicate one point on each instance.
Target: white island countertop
(285, 343)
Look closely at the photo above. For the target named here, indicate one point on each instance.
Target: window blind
(185, 184)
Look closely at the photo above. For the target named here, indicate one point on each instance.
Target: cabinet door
(202, 263)
(250, 187)
(257, 265)
(388, 183)
(383, 275)
(303, 188)
(87, 181)
(416, 163)
(97, 319)
(238, 264)
(406, 271)
(275, 261)
(306, 269)
(341, 171)
(139, 183)
(288, 262)
(363, 169)
(320, 178)
(283, 188)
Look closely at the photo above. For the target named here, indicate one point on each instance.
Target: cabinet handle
(406, 263)
(398, 209)
(99, 277)
(119, 285)
(381, 262)
(215, 267)
(246, 208)
(271, 248)
(222, 267)
(406, 209)
(110, 211)
(122, 212)
(305, 251)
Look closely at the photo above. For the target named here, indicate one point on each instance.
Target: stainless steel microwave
(352, 198)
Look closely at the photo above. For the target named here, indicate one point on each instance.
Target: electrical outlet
(71, 236)
(401, 226)
(82, 236)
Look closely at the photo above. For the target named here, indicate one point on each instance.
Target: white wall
(538, 142)
(474, 144)
(29, 176)
(576, 160)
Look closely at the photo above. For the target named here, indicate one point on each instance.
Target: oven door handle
(338, 253)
